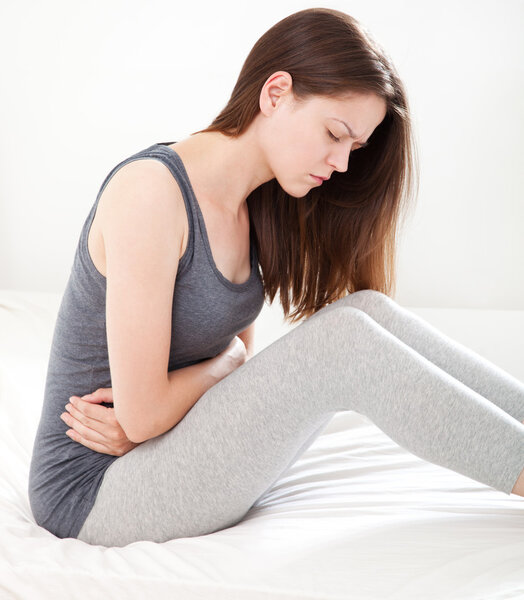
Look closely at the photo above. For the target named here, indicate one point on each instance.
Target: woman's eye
(333, 137)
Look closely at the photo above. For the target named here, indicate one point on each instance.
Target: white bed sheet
(356, 516)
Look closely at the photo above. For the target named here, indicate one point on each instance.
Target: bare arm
(186, 385)
(97, 428)
(142, 214)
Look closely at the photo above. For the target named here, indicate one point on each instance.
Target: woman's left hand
(95, 426)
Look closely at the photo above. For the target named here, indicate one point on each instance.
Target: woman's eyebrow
(350, 131)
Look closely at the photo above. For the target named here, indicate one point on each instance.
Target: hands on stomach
(96, 426)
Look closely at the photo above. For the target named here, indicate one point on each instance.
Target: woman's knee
(368, 300)
(333, 318)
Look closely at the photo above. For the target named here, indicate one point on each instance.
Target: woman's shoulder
(146, 171)
(145, 185)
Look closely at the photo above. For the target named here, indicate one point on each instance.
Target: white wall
(86, 84)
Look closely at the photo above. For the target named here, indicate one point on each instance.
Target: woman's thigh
(206, 472)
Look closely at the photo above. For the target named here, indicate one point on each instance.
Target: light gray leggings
(431, 395)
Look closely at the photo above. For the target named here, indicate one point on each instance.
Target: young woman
(173, 429)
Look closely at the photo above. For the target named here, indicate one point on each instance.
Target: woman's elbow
(132, 424)
(133, 432)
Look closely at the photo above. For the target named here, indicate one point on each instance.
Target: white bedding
(355, 517)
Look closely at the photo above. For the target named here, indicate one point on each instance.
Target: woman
(173, 430)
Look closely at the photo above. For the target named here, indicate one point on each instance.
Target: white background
(86, 84)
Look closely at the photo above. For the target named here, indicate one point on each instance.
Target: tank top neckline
(252, 250)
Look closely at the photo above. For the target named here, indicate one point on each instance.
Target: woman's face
(311, 137)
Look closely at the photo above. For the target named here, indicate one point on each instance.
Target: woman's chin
(298, 191)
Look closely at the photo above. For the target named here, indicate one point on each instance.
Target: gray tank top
(208, 311)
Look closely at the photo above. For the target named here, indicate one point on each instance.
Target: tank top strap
(167, 156)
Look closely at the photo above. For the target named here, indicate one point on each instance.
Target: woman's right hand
(231, 357)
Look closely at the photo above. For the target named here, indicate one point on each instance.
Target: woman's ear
(277, 89)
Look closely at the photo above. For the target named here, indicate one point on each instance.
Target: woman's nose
(339, 159)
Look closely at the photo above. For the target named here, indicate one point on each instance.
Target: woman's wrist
(221, 366)
(229, 359)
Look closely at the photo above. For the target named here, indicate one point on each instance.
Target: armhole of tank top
(184, 259)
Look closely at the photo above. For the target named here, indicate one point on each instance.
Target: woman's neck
(224, 170)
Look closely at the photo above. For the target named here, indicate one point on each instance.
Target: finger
(85, 431)
(98, 397)
(96, 446)
(89, 410)
(94, 399)
(101, 395)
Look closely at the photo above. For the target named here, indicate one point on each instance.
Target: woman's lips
(319, 180)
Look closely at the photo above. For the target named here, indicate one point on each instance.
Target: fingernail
(72, 400)
(68, 407)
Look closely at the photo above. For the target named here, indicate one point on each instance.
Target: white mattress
(355, 517)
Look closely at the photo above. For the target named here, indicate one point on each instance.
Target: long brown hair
(341, 238)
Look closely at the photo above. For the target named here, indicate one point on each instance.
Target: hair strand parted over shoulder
(341, 238)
